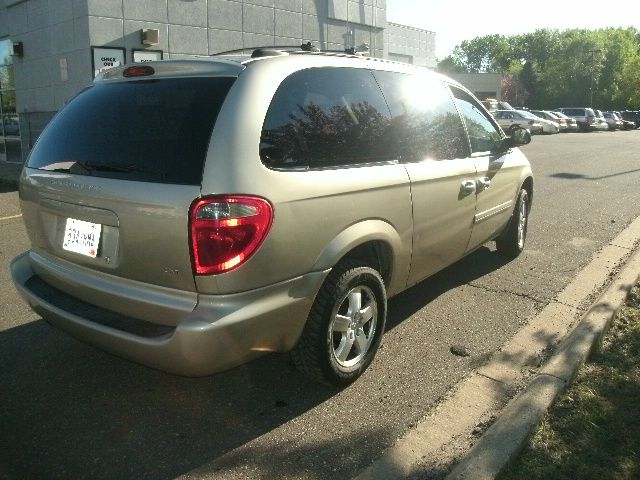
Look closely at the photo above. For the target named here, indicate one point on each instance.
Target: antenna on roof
(357, 50)
(309, 47)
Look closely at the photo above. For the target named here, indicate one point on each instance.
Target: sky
(458, 20)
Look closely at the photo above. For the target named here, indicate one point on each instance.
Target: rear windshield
(144, 130)
(579, 112)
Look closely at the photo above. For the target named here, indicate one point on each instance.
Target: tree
(570, 67)
(628, 94)
(449, 65)
(488, 54)
(513, 91)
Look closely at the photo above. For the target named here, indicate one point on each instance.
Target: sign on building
(105, 58)
(147, 55)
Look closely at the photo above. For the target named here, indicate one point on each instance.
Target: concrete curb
(504, 440)
(449, 429)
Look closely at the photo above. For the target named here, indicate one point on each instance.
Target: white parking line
(10, 217)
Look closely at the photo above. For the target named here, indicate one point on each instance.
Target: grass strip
(593, 430)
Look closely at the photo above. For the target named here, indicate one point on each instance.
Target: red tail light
(226, 230)
(138, 71)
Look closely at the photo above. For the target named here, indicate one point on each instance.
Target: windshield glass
(145, 130)
(526, 114)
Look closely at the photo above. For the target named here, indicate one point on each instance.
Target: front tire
(511, 241)
(345, 326)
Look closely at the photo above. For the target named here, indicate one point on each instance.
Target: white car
(548, 126)
(563, 123)
(601, 121)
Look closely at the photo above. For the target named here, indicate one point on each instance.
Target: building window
(10, 145)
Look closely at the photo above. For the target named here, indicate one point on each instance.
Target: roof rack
(275, 50)
(270, 50)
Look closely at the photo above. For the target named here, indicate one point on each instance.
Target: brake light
(138, 71)
(226, 230)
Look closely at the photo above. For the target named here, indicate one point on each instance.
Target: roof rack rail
(270, 50)
(275, 50)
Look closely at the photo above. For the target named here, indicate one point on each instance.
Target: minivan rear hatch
(110, 181)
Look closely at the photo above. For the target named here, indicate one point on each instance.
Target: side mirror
(516, 136)
(519, 136)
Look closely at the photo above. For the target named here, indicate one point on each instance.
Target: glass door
(10, 144)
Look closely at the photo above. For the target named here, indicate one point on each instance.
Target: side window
(484, 134)
(425, 122)
(324, 117)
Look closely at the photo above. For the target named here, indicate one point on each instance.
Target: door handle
(468, 186)
(484, 183)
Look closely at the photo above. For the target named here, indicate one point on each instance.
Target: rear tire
(511, 241)
(345, 326)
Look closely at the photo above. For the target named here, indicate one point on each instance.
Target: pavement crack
(491, 378)
(504, 290)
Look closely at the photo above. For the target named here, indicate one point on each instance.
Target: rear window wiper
(119, 168)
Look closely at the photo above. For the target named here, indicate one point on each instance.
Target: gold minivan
(192, 215)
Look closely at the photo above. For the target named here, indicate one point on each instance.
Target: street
(71, 411)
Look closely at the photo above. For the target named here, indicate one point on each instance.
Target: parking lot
(71, 411)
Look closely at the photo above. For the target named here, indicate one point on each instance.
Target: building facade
(51, 49)
(483, 85)
(410, 45)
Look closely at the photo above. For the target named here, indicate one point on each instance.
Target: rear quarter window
(326, 117)
(143, 130)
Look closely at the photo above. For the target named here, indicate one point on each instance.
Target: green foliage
(560, 68)
(593, 431)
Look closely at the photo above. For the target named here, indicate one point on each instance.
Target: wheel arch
(375, 243)
(527, 184)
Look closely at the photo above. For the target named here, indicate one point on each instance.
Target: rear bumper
(221, 332)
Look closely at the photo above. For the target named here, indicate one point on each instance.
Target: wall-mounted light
(150, 36)
(17, 49)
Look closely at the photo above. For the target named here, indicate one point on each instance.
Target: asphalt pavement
(71, 411)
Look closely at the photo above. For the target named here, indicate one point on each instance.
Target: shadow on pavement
(466, 270)
(71, 411)
(579, 176)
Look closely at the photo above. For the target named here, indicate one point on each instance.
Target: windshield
(526, 114)
(145, 130)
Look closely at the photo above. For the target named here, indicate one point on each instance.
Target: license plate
(82, 237)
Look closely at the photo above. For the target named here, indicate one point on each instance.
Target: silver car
(518, 118)
(193, 215)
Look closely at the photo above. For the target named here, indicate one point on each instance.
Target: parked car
(626, 124)
(509, 118)
(192, 215)
(548, 126)
(632, 116)
(491, 104)
(552, 117)
(11, 125)
(601, 121)
(613, 121)
(572, 124)
(585, 117)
